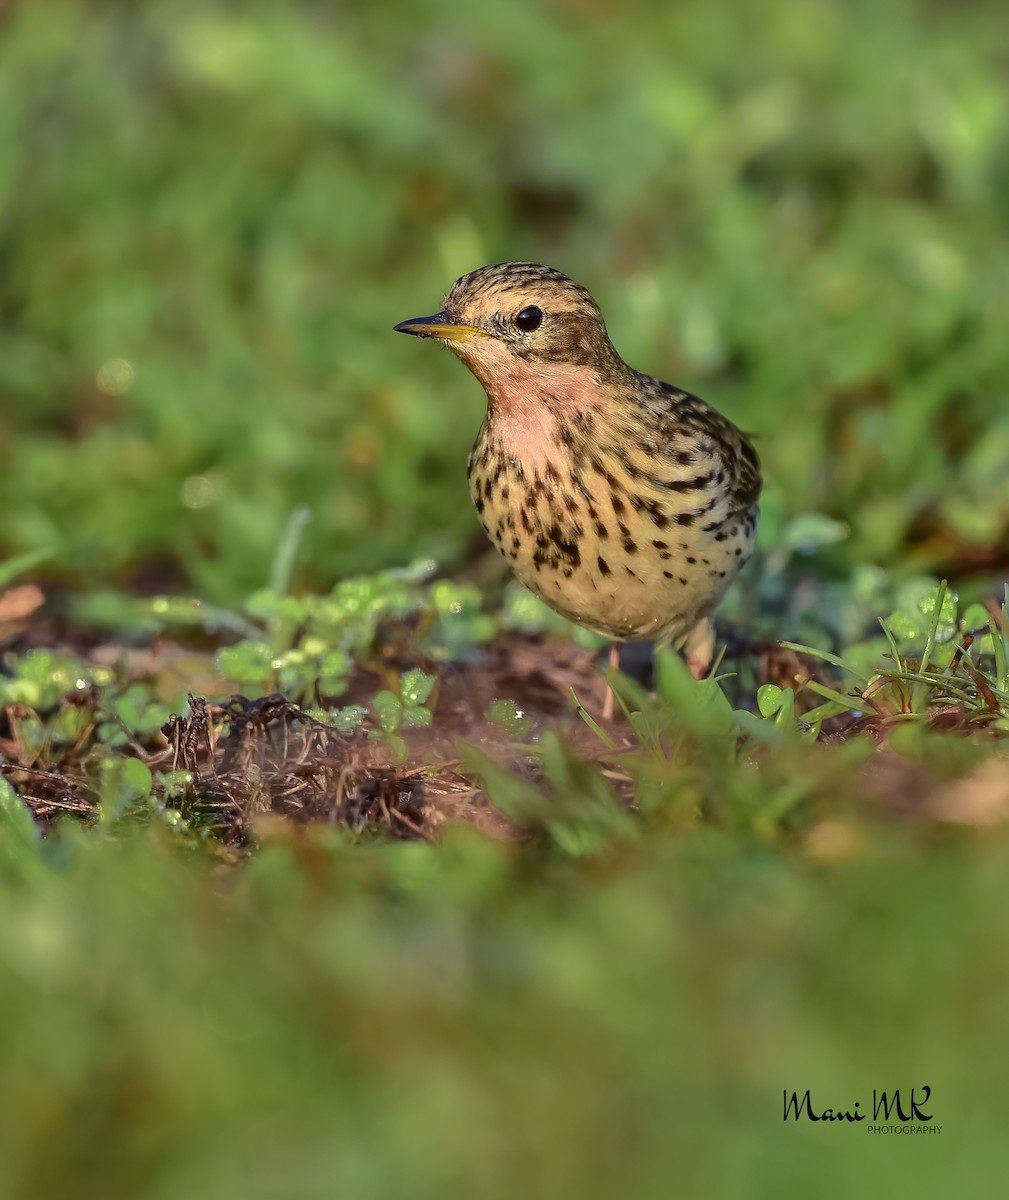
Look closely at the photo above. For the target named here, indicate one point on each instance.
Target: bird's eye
(529, 318)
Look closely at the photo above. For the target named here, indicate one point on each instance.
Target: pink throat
(527, 404)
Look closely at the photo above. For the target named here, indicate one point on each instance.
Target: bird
(625, 503)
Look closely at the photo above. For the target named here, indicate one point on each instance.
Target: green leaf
(389, 710)
(179, 610)
(699, 704)
(16, 822)
(22, 849)
(453, 599)
(515, 797)
(768, 699)
(926, 613)
(350, 718)
(248, 663)
(139, 712)
(508, 715)
(267, 605)
(975, 618)
(415, 687)
(42, 677)
(175, 783)
(123, 784)
(397, 745)
(808, 531)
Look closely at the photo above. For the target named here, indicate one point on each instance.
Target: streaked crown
(494, 286)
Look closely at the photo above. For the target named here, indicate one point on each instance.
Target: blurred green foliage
(213, 214)
(409, 1020)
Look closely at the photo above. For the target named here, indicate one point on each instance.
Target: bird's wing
(743, 465)
(685, 414)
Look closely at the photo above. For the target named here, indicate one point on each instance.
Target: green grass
(609, 1000)
(212, 215)
(419, 1020)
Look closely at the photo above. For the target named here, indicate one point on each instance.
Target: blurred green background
(213, 214)
(433, 1022)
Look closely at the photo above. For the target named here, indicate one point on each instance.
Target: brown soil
(254, 764)
(253, 760)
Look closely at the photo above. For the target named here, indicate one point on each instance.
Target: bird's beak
(441, 325)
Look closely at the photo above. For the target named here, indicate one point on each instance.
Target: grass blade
(19, 563)
(287, 551)
(926, 654)
(592, 723)
(826, 657)
(846, 702)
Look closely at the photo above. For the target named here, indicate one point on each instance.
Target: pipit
(625, 503)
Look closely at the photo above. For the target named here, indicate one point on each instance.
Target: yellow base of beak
(440, 325)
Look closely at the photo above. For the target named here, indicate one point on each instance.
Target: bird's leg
(615, 663)
(699, 648)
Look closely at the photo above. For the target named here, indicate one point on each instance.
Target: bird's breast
(595, 535)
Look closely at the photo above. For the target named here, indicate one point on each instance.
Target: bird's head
(520, 322)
